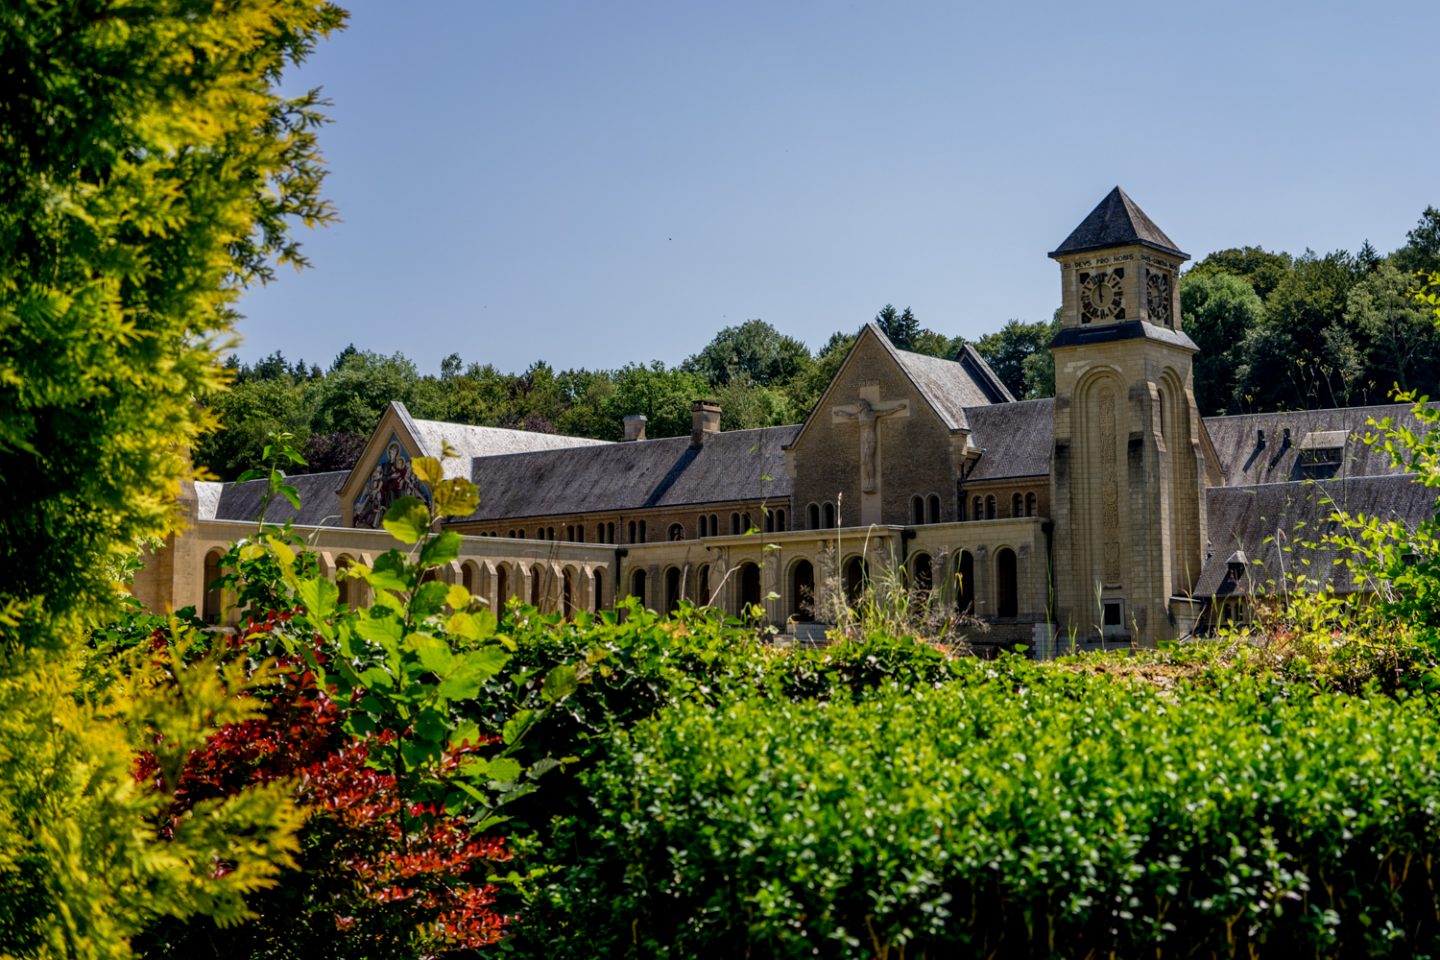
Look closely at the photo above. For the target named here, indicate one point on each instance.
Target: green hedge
(1020, 810)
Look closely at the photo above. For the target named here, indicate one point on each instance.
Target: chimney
(704, 418)
(635, 426)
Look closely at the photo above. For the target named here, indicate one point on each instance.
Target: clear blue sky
(597, 183)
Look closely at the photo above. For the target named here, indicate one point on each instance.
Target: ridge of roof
(1116, 221)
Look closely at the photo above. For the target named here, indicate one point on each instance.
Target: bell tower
(1127, 489)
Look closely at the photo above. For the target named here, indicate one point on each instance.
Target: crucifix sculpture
(865, 413)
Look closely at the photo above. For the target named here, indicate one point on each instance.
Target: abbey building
(1109, 515)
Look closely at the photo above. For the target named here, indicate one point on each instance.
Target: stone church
(1110, 515)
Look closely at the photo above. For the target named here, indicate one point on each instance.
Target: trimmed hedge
(1019, 810)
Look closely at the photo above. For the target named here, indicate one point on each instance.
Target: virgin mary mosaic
(391, 479)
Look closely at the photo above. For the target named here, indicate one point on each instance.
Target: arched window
(934, 504)
(609, 533)
(600, 533)
(213, 607)
(677, 532)
(735, 524)
(746, 526)
(580, 532)
(704, 526)
(990, 507)
(917, 509)
(1017, 506)
(642, 532)
(1006, 584)
(672, 589)
(567, 594)
(502, 586)
(769, 520)
(536, 575)
(780, 521)
(714, 525)
(1031, 505)
(802, 591)
(637, 586)
(965, 587)
(704, 592)
(630, 532)
(829, 516)
(812, 514)
(599, 598)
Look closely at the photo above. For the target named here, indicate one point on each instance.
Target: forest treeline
(1275, 332)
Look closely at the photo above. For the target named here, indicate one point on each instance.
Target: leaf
(407, 519)
(457, 597)
(516, 726)
(471, 672)
(289, 493)
(319, 596)
(428, 470)
(559, 683)
(432, 652)
(429, 599)
(383, 631)
(541, 767)
(377, 678)
(456, 497)
(440, 550)
(505, 770)
(252, 474)
(389, 572)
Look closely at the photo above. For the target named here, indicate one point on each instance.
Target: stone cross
(866, 411)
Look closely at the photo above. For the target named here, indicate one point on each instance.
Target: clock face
(1101, 296)
(1157, 298)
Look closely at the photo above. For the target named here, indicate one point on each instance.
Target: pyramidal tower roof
(1117, 221)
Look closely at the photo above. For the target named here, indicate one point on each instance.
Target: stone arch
(1007, 583)
(750, 590)
(674, 588)
(922, 575)
(537, 586)
(1101, 486)
(598, 585)
(965, 582)
(1181, 481)
(504, 582)
(638, 585)
(856, 576)
(212, 607)
(802, 590)
(569, 592)
(702, 586)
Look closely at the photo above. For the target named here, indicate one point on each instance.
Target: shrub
(1021, 810)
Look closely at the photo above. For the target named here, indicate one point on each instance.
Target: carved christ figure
(865, 414)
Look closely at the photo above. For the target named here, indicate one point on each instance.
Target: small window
(1031, 505)
(990, 507)
(734, 524)
(977, 510)
(812, 514)
(630, 532)
(677, 532)
(1113, 617)
(829, 516)
(642, 532)
(917, 510)
(748, 526)
(779, 521)
(933, 503)
(1017, 506)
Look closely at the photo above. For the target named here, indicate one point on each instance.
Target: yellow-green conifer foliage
(148, 170)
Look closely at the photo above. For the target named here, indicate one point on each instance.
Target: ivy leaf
(440, 550)
(407, 519)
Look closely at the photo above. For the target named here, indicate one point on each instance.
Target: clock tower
(1127, 490)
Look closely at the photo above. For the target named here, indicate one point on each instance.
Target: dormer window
(1321, 452)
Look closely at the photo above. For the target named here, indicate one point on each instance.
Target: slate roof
(667, 472)
(1296, 515)
(470, 441)
(1245, 461)
(319, 500)
(950, 386)
(1017, 438)
(1117, 221)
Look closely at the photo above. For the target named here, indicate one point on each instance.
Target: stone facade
(1081, 521)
